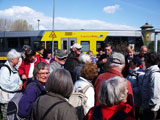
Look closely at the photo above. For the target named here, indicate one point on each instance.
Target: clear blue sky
(89, 14)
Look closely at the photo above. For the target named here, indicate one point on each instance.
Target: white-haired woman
(112, 97)
(10, 82)
(83, 58)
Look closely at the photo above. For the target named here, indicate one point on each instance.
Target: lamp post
(38, 23)
(156, 40)
(53, 27)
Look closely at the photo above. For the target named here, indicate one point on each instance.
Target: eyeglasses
(45, 73)
(62, 58)
(78, 49)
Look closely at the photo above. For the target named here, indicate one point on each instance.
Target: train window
(118, 43)
(12, 42)
(55, 45)
(72, 42)
(131, 40)
(36, 43)
(138, 44)
(99, 44)
(24, 41)
(49, 45)
(86, 46)
(64, 44)
(1, 42)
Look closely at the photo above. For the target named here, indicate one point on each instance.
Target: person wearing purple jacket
(33, 90)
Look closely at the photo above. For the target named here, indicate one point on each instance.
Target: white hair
(113, 91)
(84, 58)
(116, 65)
(13, 54)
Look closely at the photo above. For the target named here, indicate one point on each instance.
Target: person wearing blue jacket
(33, 90)
(10, 82)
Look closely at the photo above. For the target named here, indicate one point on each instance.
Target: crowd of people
(117, 86)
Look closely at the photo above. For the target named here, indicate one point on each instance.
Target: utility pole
(38, 24)
(53, 27)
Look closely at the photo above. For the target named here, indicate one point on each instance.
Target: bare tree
(21, 25)
(5, 24)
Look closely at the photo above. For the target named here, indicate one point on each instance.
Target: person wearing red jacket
(115, 66)
(27, 66)
(112, 97)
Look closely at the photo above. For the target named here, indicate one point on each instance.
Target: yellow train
(90, 40)
(64, 40)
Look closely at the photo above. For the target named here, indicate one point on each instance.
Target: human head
(84, 58)
(40, 49)
(13, 56)
(100, 50)
(47, 54)
(30, 55)
(130, 51)
(41, 72)
(90, 53)
(143, 51)
(77, 49)
(135, 62)
(151, 58)
(60, 57)
(60, 82)
(89, 71)
(117, 60)
(24, 49)
(113, 91)
(108, 49)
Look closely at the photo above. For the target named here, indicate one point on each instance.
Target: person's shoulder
(34, 86)
(103, 56)
(100, 79)
(5, 68)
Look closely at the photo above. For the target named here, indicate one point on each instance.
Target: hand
(24, 77)
(104, 60)
(20, 87)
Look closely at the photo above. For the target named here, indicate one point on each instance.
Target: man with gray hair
(59, 60)
(115, 66)
(140, 56)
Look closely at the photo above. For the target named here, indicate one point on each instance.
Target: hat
(117, 58)
(60, 54)
(76, 45)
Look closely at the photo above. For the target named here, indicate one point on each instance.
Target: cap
(60, 54)
(76, 45)
(117, 58)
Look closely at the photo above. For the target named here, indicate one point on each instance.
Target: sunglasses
(62, 58)
(78, 49)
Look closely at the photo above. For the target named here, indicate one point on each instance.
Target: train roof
(21, 33)
(40, 33)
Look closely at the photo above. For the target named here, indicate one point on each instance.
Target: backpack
(4, 65)
(12, 109)
(78, 101)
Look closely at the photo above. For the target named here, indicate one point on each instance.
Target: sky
(84, 14)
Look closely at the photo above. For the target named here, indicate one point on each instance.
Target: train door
(66, 43)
